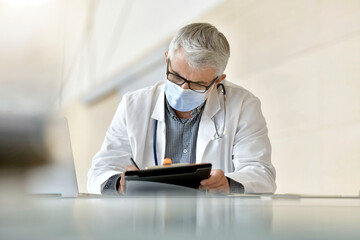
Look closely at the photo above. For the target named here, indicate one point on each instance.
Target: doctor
(192, 116)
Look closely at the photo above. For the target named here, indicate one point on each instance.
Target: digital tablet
(184, 175)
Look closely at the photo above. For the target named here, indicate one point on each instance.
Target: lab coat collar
(159, 109)
(206, 128)
(212, 105)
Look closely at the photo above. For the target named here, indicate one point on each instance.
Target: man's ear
(219, 80)
(166, 57)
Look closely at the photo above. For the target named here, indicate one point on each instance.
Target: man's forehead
(179, 65)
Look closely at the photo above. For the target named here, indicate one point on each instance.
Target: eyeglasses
(178, 80)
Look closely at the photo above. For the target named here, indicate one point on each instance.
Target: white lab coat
(244, 153)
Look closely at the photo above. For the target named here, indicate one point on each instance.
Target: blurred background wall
(300, 57)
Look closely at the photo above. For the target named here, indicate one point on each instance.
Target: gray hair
(203, 45)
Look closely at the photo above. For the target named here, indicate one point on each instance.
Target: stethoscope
(217, 134)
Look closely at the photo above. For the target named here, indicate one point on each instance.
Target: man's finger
(122, 184)
(214, 177)
(216, 184)
(130, 168)
(122, 180)
(215, 181)
(210, 180)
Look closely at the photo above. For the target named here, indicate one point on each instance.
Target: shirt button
(185, 150)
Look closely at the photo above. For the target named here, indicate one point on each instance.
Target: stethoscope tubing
(154, 144)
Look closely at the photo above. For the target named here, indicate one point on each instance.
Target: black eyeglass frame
(187, 81)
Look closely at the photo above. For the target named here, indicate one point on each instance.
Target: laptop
(57, 177)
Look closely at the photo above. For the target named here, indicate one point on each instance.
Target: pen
(134, 163)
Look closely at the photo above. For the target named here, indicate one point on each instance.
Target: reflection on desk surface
(179, 218)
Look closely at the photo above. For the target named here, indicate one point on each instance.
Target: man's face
(180, 67)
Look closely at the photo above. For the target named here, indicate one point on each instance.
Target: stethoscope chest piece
(220, 136)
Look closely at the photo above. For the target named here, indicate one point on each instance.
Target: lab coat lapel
(206, 127)
(159, 115)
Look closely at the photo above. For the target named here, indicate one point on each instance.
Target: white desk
(180, 218)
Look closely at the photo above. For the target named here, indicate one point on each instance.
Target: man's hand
(217, 182)
(122, 180)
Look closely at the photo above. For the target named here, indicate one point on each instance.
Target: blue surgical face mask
(183, 100)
